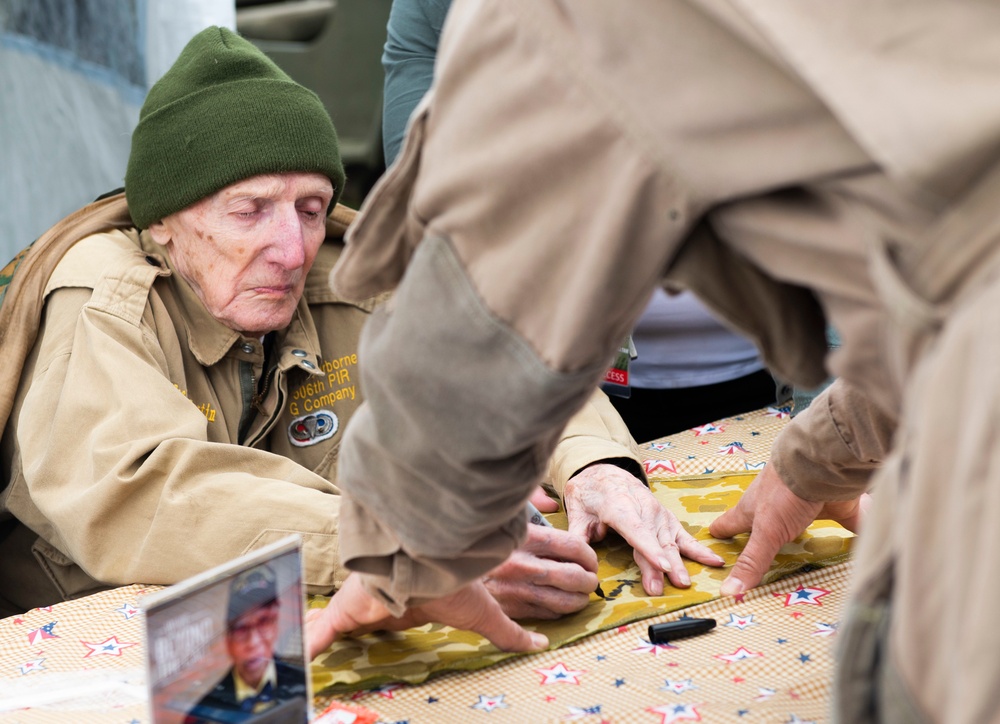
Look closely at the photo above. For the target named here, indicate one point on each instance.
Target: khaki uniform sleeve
(830, 450)
(120, 475)
(441, 457)
(596, 433)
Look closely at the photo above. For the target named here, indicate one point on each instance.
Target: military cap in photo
(251, 590)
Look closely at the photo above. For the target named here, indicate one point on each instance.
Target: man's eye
(312, 210)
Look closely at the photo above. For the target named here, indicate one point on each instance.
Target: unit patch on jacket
(321, 391)
(313, 428)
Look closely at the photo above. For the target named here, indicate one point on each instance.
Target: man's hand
(541, 500)
(774, 515)
(604, 496)
(551, 574)
(352, 610)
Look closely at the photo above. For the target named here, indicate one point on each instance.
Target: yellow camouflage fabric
(414, 655)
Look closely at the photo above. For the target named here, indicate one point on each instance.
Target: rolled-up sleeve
(830, 450)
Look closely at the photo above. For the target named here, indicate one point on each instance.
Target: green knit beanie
(223, 112)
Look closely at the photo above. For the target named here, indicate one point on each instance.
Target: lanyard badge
(616, 377)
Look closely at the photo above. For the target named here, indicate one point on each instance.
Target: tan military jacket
(147, 442)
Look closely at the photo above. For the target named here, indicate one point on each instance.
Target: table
(769, 658)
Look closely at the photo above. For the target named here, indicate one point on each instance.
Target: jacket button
(247, 347)
(308, 365)
(299, 352)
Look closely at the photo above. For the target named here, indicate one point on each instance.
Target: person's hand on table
(774, 515)
(352, 610)
(604, 496)
(552, 573)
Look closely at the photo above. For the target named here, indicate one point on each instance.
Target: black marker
(661, 633)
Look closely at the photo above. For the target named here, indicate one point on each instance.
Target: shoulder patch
(313, 428)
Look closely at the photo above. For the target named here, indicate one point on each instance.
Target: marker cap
(661, 633)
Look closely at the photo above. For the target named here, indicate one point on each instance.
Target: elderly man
(193, 374)
(258, 680)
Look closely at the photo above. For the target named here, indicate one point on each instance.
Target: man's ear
(159, 232)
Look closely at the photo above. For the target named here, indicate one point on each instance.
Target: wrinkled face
(250, 642)
(246, 249)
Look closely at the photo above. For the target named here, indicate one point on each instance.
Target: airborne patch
(313, 428)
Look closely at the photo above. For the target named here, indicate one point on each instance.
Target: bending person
(777, 160)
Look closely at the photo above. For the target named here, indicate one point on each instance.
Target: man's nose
(288, 247)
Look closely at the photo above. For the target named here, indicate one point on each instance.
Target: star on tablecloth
(825, 629)
(127, 610)
(659, 466)
(803, 594)
(740, 622)
(29, 666)
(576, 712)
(36, 636)
(675, 712)
(740, 654)
(490, 703)
(645, 647)
(708, 429)
(678, 686)
(109, 647)
(386, 690)
(559, 674)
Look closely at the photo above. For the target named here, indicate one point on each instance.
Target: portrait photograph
(227, 646)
